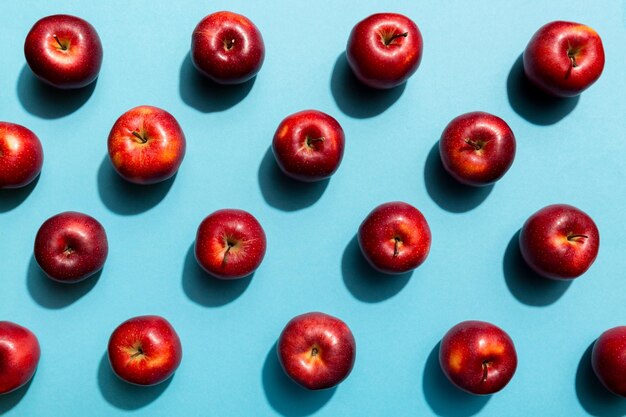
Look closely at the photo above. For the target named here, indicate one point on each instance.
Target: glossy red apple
(227, 47)
(478, 357)
(19, 356)
(316, 350)
(230, 244)
(477, 148)
(395, 238)
(145, 350)
(384, 50)
(146, 145)
(21, 156)
(64, 51)
(559, 242)
(308, 145)
(564, 58)
(71, 246)
(608, 359)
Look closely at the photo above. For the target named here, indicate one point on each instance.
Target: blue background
(569, 151)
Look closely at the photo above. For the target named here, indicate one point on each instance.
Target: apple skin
(478, 357)
(477, 148)
(72, 59)
(227, 48)
(559, 242)
(145, 350)
(308, 145)
(19, 356)
(146, 145)
(71, 247)
(395, 238)
(316, 350)
(379, 53)
(608, 359)
(230, 244)
(21, 156)
(564, 58)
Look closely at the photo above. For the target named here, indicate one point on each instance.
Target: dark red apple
(64, 51)
(559, 242)
(227, 47)
(608, 359)
(230, 244)
(384, 50)
(146, 145)
(316, 350)
(478, 357)
(145, 350)
(564, 58)
(477, 148)
(19, 356)
(71, 246)
(308, 145)
(395, 238)
(21, 156)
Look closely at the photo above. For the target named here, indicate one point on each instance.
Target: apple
(146, 145)
(145, 350)
(64, 51)
(564, 58)
(230, 244)
(19, 356)
(395, 238)
(21, 156)
(477, 148)
(608, 359)
(478, 357)
(384, 50)
(227, 47)
(308, 145)
(71, 246)
(559, 242)
(316, 350)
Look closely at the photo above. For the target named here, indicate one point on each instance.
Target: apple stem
(394, 37)
(230, 245)
(63, 47)
(138, 353)
(473, 143)
(573, 237)
(314, 351)
(311, 141)
(396, 250)
(138, 136)
(573, 59)
(485, 369)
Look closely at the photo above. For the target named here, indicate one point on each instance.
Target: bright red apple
(145, 350)
(21, 156)
(71, 246)
(316, 350)
(395, 238)
(384, 50)
(146, 145)
(564, 58)
(608, 359)
(478, 357)
(19, 356)
(477, 148)
(227, 47)
(64, 51)
(230, 244)
(559, 242)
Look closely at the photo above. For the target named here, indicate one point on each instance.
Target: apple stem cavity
(485, 370)
(138, 353)
(63, 47)
(311, 141)
(388, 40)
(475, 144)
(575, 237)
(143, 139)
(229, 245)
(229, 43)
(314, 351)
(396, 249)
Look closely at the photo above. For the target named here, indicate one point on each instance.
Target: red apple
(608, 359)
(21, 156)
(308, 145)
(64, 51)
(71, 246)
(19, 356)
(316, 350)
(146, 145)
(145, 350)
(478, 357)
(559, 242)
(564, 58)
(384, 50)
(477, 148)
(227, 47)
(230, 244)
(395, 238)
